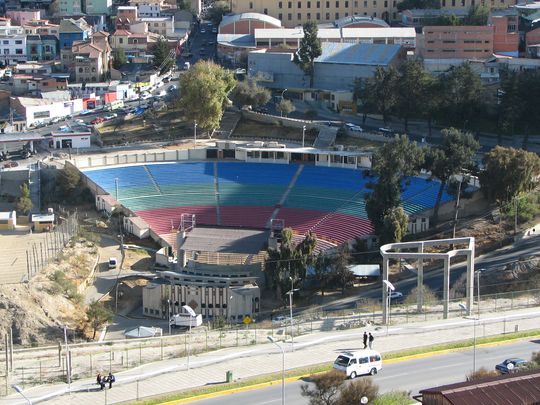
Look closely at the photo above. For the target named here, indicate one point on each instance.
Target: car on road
(386, 131)
(396, 296)
(358, 363)
(281, 319)
(145, 96)
(203, 30)
(97, 120)
(86, 112)
(214, 30)
(172, 88)
(511, 365)
(353, 127)
(64, 128)
(111, 116)
(166, 79)
(211, 42)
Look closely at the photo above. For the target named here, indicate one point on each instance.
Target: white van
(112, 262)
(358, 363)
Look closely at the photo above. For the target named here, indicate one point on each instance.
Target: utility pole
(457, 208)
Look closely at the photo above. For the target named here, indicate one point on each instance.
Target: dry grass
(257, 130)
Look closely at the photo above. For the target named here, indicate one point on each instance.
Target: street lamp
(169, 314)
(20, 391)
(303, 135)
(271, 339)
(290, 293)
(389, 288)
(477, 272)
(192, 314)
(195, 130)
(474, 337)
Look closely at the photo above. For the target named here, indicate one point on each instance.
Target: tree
(24, 203)
(461, 94)
(98, 315)
(507, 173)
(324, 274)
(340, 265)
(381, 90)
(452, 157)
(285, 107)
(161, 52)
(69, 180)
(204, 89)
(412, 90)
(418, 4)
(362, 387)
(217, 10)
(120, 59)
(326, 388)
(361, 94)
(248, 92)
(428, 294)
(391, 162)
(432, 101)
(395, 223)
(309, 50)
(289, 260)
(478, 15)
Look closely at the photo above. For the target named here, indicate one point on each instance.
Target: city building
(73, 30)
(358, 21)
(294, 13)
(33, 68)
(41, 47)
(246, 23)
(35, 110)
(22, 17)
(505, 31)
(12, 49)
(135, 45)
(97, 7)
(41, 27)
(74, 136)
(7, 29)
(160, 25)
(420, 17)
(335, 70)
(457, 42)
(70, 7)
(532, 37)
(148, 8)
(88, 61)
(125, 16)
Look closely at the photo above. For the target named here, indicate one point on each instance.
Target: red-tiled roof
(121, 33)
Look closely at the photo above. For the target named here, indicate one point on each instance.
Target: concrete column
(385, 292)
(470, 282)
(420, 280)
(446, 287)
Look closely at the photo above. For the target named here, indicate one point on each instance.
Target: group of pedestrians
(368, 339)
(102, 380)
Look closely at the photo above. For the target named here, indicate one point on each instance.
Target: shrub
(429, 296)
(482, 372)
(362, 387)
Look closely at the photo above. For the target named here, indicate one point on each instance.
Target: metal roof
(394, 32)
(228, 19)
(358, 54)
(522, 388)
(225, 240)
(357, 19)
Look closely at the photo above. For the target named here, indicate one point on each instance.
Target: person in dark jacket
(365, 340)
(110, 380)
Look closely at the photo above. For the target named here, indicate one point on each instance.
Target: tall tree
(454, 155)
(248, 92)
(509, 172)
(432, 100)
(391, 162)
(418, 4)
(161, 51)
(412, 90)
(204, 89)
(382, 91)
(309, 50)
(324, 274)
(340, 265)
(361, 95)
(478, 15)
(462, 94)
(120, 58)
(24, 202)
(98, 315)
(395, 222)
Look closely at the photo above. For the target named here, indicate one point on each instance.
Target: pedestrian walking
(371, 339)
(365, 340)
(100, 381)
(110, 380)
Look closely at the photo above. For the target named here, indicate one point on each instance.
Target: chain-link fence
(48, 364)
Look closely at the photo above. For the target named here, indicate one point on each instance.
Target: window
(453, 3)
(265, 11)
(337, 16)
(318, 16)
(280, 16)
(18, 51)
(80, 70)
(299, 16)
(299, 4)
(309, 4)
(355, 4)
(5, 42)
(121, 40)
(93, 69)
(374, 3)
(346, 14)
(337, 4)
(250, 4)
(346, 4)
(327, 16)
(289, 16)
(365, 4)
(280, 4)
(318, 4)
(289, 4)
(308, 16)
(327, 4)
(385, 3)
(511, 28)
(18, 42)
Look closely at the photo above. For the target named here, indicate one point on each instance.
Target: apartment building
(21, 17)
(41, 47)
(293, 13)
(88, 61)
(97, 7)
(457, 42)
(505, 31)
(70, 7)
(125, 16)
(160, 25)
(12, 49)
(148, 8)
(41, 27)
(73, 30)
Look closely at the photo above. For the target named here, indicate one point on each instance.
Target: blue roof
(357, 54)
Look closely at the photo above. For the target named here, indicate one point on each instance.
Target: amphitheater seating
(327, 201)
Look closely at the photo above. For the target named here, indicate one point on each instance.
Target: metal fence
(48, 364)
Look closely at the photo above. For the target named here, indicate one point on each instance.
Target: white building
(76, 136)
(36, 110)
(12, 48)
(160, 25)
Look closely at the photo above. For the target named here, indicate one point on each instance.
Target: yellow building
(293, 13)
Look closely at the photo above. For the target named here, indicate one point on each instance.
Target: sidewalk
(210, 368)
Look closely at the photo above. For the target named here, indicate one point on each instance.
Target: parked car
(281, 319)
(166, 79)
(203, 30)
(172, 88)
(80, 121)
(386, 131)
(97, 120)
(214, 30)
(64, 128)
(396, 296)
(511, 365)
(111, 116)
(86, 112)
(145, 96)
(353, 127)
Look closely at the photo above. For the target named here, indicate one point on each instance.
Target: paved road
(434, 279)
(412, 375)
